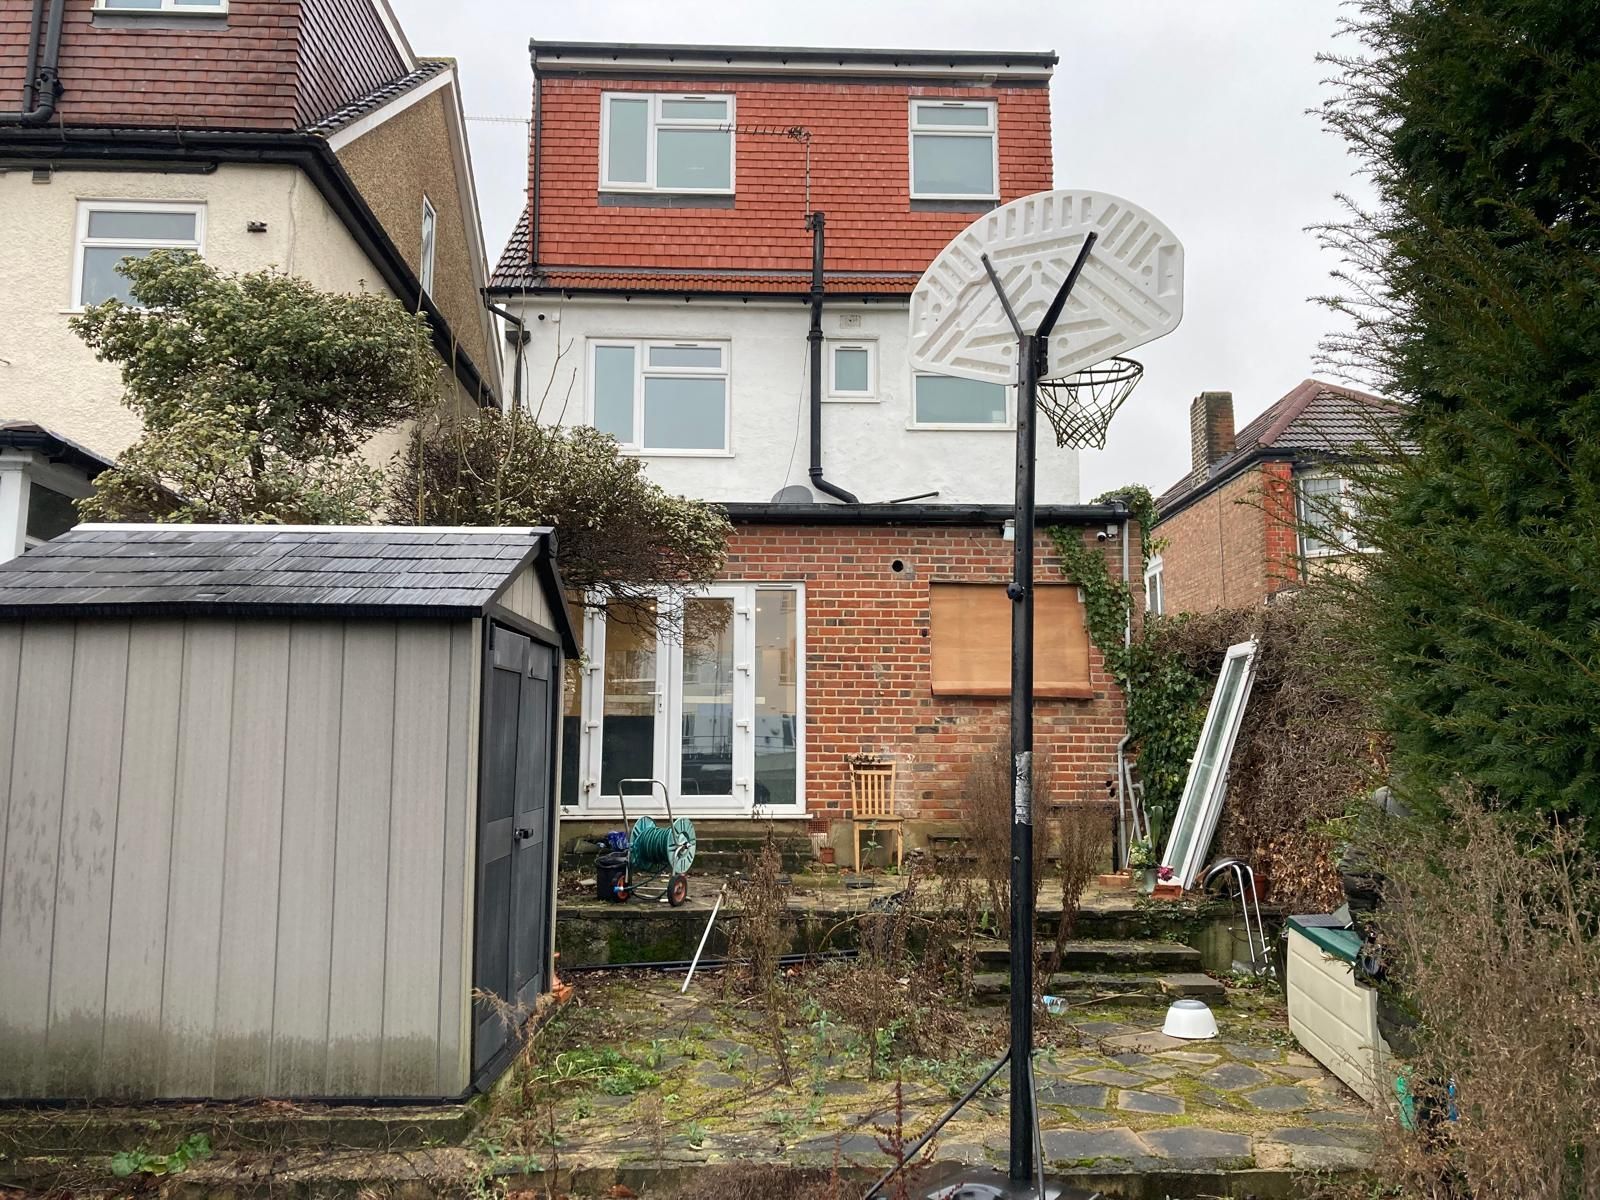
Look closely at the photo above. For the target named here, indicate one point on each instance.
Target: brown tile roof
(1315, 419)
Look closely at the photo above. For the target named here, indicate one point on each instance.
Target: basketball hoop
(1080, 406)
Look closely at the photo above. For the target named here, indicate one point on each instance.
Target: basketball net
(1080, 406)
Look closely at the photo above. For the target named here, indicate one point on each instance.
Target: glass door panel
(632, 700)
(777, 688)
(706, 697)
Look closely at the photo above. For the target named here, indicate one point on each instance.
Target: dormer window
(654, 142)
(954, 150)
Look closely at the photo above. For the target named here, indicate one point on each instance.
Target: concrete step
(1104, 955)
(1086, 988)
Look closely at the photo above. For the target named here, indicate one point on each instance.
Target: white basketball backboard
(1130, 291)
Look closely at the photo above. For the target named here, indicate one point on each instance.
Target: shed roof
(391, 571)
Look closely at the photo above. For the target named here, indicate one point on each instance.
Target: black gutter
(41, 81)
(816, 222)
(820, 55)
(1233, 470)
(916, 514)
(310, 153)
(54, 448)
(692, 293)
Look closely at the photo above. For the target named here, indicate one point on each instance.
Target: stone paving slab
(1187, 1143)
(1149, 1102)
(1087, 1147)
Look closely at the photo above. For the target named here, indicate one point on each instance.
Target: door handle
(522, 835)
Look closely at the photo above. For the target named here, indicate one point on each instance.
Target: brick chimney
(1210, 430)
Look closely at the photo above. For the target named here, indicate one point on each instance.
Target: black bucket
(610, 874)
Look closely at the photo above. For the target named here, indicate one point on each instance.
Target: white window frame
(1347, 540)
(658, 122)
(669, 700)
(1154, 587)
(915, 130)
(430, 244)
(837, 395)
(83, 240)
(968, 426)
(167, 8)
(642, 370)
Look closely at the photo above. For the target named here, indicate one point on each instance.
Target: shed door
(514, 834)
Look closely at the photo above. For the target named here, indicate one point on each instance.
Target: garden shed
(274, 802)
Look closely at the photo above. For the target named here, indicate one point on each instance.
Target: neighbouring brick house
(678, 200)
(1254, 515)
(300, 134)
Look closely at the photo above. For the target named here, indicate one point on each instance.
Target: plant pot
(1145, 880)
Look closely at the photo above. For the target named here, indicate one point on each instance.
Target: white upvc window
(955, 150)
(661, 397)
(661, 142)
(182, 7)
(1327, 514)
(112, 230)
(1154, 601)
(950, 402)
(852, 371)
(430, 222)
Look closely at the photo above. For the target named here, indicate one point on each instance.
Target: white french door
(706, 695)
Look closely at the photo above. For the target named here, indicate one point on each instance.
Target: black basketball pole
(1033, 351)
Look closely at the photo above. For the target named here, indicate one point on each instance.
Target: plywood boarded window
(971, 634)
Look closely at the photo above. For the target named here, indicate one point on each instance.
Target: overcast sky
(1195, 110)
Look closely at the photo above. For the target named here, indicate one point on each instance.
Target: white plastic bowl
(1190, 1019)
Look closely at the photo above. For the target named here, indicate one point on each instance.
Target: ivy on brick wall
(1165, 699)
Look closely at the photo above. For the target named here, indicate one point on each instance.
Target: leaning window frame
(1155, 598)
(833, 394)
(657, 122)
(82, 241)
(1010, 423)
(642, 370)
(914, 130)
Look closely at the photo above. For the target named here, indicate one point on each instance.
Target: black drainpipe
(814, 222)
(521, 341)
(41, 84)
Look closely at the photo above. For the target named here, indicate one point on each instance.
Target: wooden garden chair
(872, 797)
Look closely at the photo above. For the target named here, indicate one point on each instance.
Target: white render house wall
(870, 446)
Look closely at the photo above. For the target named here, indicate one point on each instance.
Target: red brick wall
(859, 177)
(1234, 547)
(868, 663)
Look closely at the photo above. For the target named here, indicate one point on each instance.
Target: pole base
(955, 1182)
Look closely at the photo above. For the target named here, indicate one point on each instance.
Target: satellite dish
(795, 493)
(1130, 291)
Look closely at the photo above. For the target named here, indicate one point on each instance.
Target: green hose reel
(662, 847)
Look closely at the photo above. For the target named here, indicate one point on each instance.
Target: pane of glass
(136, 4)
(686, 356)
(777, 696)
(694, 158)
(937, 114)
(850, 370)
(627, 141)
(952, 166)
(694, 110)
(142, 226)
(572, 714)
(1219, 724)
(613, 392)
(100, 278)
(428, 219)
(946, 400)
(706, 741)
(685, 414)
(1319, 514)
(628, 722)
(50, 514)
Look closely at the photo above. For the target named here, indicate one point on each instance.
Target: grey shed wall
(249, 870)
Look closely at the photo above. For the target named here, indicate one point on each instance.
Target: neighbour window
(852, 371)
(1327, 509)
(953, 150)
(666, 143)
(163, 6)
(970, 628)
(110, 231)
(661, 397)
(430, 220)
(1154, 601)
(944, 400)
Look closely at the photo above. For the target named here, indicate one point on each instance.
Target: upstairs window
(661, 397)
(947, 402)
(852, 371)
(163, 6)
(651, 142)
(110, 231)
(430, 220)
(1328, 509)
(954, 153)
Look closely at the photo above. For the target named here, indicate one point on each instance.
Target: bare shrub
(1491, 943)
(1083, 849)
(756, 944)
(986, 826)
